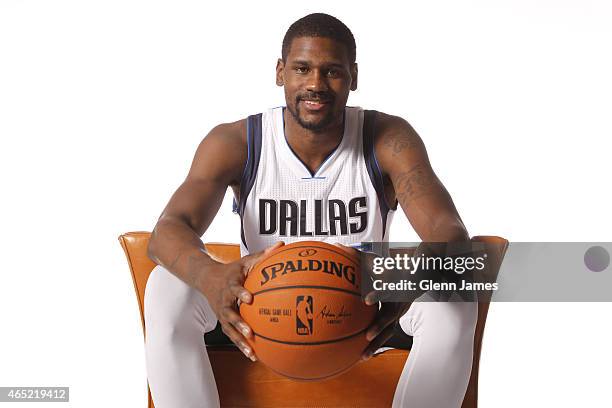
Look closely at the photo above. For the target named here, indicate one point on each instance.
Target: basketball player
(313, 169)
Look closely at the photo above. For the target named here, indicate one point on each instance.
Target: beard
(314, 125)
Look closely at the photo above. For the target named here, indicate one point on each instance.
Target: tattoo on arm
(399, 141)
(412, 184)
(175, 261)
(193, 272)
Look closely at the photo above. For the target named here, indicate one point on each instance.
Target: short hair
(320, 25)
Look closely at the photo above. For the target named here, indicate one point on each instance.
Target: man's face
(318, 76)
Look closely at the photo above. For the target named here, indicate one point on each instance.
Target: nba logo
(303, 315)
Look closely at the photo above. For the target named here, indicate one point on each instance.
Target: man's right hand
(222, 284)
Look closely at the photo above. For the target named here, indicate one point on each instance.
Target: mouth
(315, 105)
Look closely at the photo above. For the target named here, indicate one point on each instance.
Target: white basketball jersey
(281, 200)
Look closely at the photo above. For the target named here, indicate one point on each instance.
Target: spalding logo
(271, 272)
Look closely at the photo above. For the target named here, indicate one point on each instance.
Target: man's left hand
(389, 313)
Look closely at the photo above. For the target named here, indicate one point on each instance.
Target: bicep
(420, 193)
(424, 199)
(216, 165)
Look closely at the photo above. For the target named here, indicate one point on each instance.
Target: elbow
(152, 246)
(450, 231)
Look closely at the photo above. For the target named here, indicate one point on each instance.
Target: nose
(316, 81)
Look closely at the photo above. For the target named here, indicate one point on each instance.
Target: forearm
(448, 228)
(449, 240)
(449, 232)
(177, 247)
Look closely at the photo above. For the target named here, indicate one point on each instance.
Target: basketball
(307, 314)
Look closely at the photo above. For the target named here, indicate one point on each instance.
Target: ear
(280, 75)
(354, 72)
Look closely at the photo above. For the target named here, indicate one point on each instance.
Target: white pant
(436, 373)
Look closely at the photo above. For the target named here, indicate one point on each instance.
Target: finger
(372, 298)
(251, 260)
(233, 318)
(238, 340)
(348, 249)
(273, 247)
(385, 317)
(377, 342)
(240, 292)
(376, 296)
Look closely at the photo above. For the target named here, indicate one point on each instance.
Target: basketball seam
(307, 287)
(314, 343)
(335, 373)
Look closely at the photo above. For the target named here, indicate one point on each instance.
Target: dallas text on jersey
(331, 217)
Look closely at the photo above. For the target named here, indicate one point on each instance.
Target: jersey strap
(369, 131)
(250, 169)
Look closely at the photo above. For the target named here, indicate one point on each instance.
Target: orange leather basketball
(307, 314)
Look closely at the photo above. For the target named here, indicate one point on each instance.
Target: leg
(438, 369)
(178, 368)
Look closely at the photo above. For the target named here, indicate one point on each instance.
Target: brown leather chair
(242, 383)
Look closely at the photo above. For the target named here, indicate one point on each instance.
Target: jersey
(281, 200)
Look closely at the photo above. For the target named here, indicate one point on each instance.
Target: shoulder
(395, 134)
(222, 153)
(227, 135)
(396, 142)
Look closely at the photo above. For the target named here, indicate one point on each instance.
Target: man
(316, 169)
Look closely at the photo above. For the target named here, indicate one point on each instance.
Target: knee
(168, 308)
(452, 323)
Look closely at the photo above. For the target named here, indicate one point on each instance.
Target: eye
(301, 70)
(333, 73)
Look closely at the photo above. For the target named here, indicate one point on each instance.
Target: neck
(312, 147)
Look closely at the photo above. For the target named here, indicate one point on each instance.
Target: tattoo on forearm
(193, 270)
(400, 141)
(175, 261)
(412, 184)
